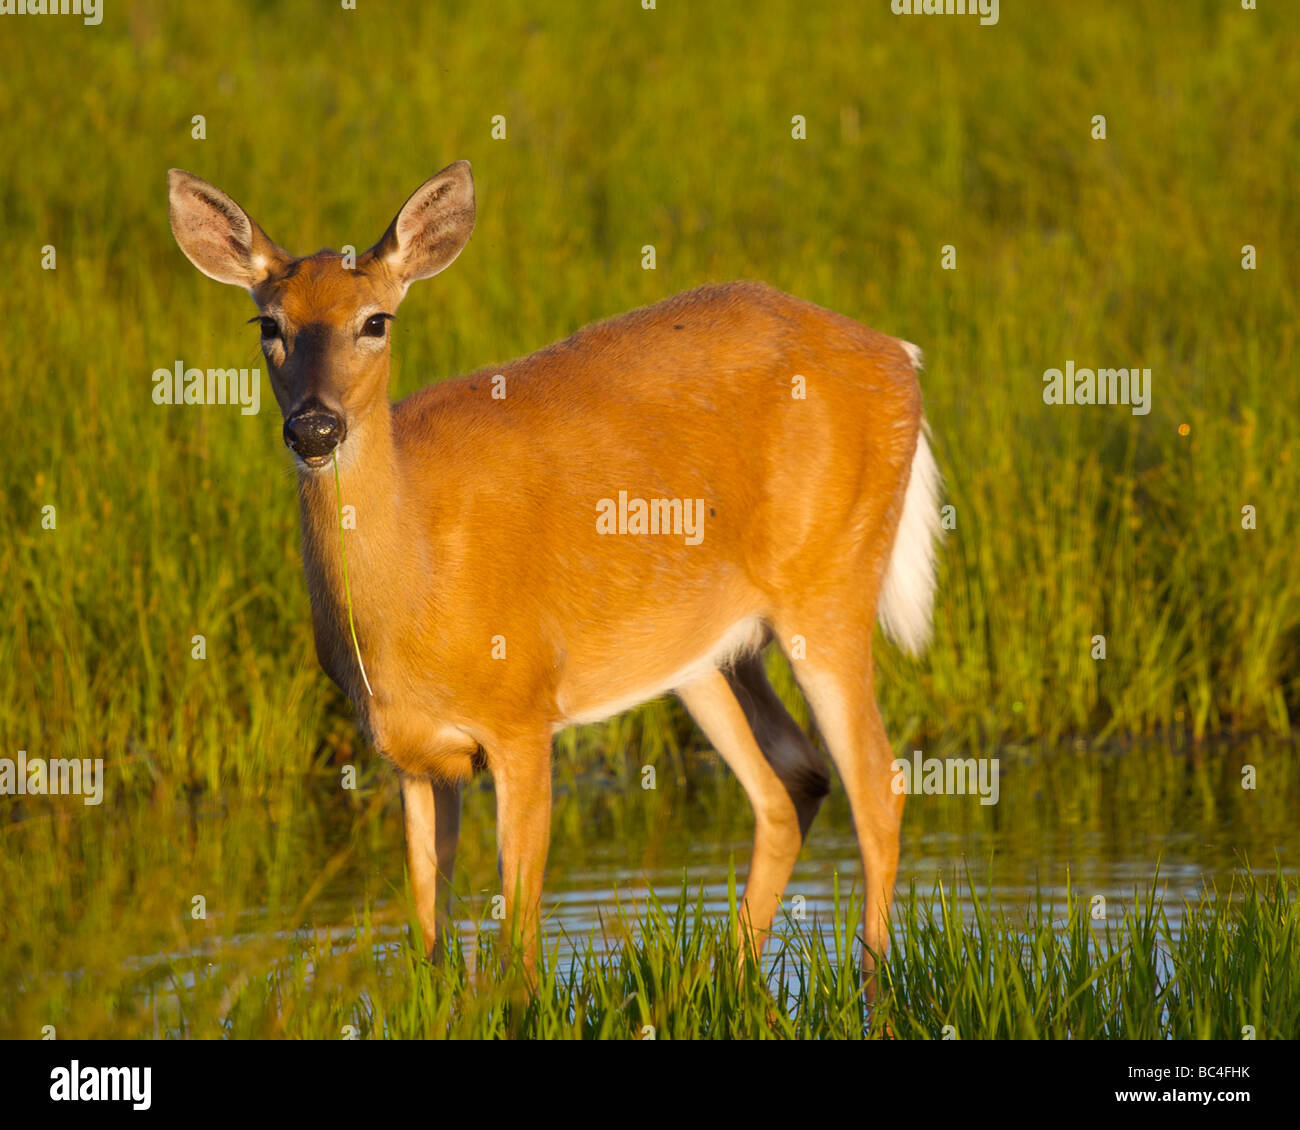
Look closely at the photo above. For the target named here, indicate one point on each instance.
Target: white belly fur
(743, 636)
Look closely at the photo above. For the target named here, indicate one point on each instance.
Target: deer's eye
(375, 326)
(270, 329)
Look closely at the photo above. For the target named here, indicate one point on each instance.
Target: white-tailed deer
(636, 510)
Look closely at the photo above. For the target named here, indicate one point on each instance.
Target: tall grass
(1230, 966)
(1070, 522)
(675, 972)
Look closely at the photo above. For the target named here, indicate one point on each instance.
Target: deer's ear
(217, 235)
(431, 228)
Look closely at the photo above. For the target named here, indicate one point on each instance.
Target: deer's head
(324, 324)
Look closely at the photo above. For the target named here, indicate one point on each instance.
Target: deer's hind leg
(779, 770)
(839, 686)
(793, 758)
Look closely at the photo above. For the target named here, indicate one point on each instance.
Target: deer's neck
(371, 543)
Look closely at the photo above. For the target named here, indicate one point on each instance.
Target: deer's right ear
(217, 235)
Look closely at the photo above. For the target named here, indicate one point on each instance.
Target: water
(1101, 824)
(276, 871)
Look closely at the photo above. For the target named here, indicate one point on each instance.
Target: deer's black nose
(313, 432)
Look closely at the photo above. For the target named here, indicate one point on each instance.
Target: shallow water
(1101, 824)
(280, 871)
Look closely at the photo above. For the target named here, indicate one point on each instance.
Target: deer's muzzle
(313, 432)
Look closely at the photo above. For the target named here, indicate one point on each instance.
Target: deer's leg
(839, 688)
(521, 772)
(794, 759)
(777, 824)
(431, 813)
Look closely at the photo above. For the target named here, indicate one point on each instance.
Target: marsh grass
(1058, 974)
(1069, 522)
(673, 972)
(307, 913)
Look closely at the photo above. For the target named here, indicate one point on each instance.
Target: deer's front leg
(522, 776)
(431, 812)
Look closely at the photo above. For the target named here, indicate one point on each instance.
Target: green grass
(625, 128)
(1071, 522)
(673, 972)
(1229, 966)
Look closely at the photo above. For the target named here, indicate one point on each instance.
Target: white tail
(907, 594)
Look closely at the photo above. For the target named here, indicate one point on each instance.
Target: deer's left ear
(431, 228)
(217, 235)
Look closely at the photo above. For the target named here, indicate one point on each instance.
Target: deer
(487, 599)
